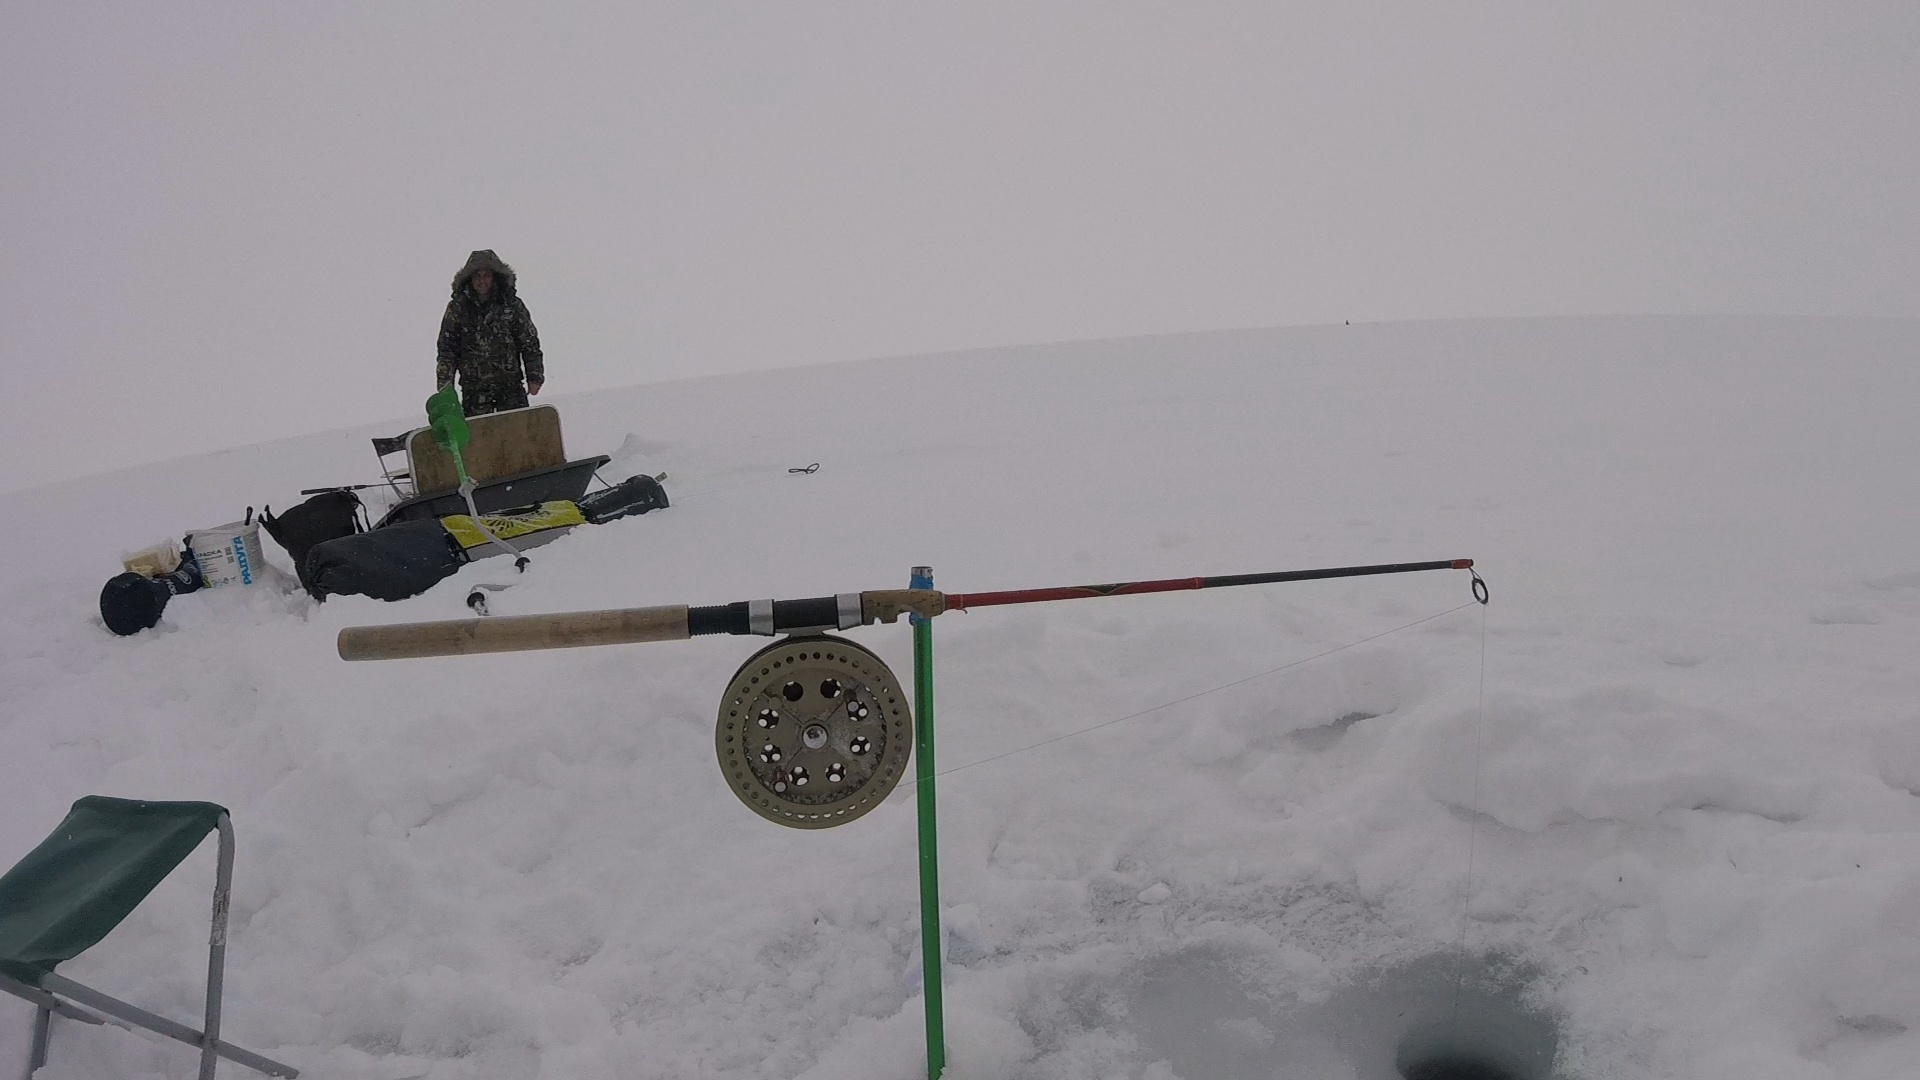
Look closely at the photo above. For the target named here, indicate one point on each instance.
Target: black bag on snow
(634, 495)
(390, 563)
(329, 515)
(132, 602)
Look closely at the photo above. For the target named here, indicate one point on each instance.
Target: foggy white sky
(222, 223)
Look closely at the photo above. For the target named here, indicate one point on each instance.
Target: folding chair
(82, 880)
(386, 448)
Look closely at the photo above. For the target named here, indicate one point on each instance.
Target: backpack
(329, 515)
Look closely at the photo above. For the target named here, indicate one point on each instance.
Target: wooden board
(500, 444)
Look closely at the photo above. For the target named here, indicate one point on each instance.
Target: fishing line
(1473, 809)
(1195, 696)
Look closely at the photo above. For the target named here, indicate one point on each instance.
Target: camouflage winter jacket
(490, 344)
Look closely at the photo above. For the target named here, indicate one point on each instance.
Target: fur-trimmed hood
(486, 260)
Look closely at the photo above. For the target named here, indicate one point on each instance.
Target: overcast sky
(223, 223)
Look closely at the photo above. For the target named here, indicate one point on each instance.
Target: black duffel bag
(390, 563)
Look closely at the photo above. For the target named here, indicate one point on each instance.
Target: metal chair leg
(217, 951)
(172, 1029)
(42, 1031)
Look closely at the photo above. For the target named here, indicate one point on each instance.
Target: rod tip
(1463, 564)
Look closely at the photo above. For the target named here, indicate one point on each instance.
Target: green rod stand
(930, 945)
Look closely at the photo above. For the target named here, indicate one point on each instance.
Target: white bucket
(228, 553)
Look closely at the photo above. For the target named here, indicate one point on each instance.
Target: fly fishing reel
(813, 732)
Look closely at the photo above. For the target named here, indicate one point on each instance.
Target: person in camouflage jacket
(487, 339)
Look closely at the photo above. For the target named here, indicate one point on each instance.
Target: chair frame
(51, 996)
(386, 448)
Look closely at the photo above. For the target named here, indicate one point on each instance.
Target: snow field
(1691, 789)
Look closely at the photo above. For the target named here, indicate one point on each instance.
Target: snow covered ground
(1692, 822)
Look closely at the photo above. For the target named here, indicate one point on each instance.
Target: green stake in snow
(930, 937)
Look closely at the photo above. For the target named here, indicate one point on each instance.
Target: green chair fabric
(87, 876)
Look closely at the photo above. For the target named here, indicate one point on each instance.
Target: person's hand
(534, 387)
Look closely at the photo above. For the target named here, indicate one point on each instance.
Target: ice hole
(1452, 1067)
(1440, 1017)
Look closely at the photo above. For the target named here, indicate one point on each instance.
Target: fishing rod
(765, 618)
(814, 730)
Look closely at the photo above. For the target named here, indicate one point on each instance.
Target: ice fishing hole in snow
(1452, 1067)
(1447, 1016)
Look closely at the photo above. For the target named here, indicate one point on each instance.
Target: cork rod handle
(515, 633)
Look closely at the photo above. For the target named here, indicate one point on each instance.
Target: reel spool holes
(813, 732)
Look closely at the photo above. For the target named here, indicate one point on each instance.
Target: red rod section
(963, 601)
